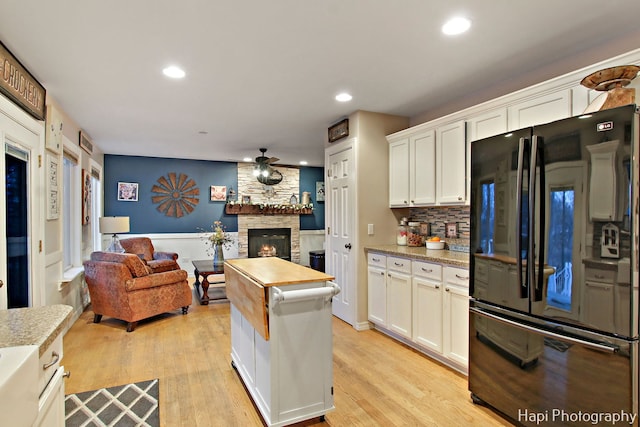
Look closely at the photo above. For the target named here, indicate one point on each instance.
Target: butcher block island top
(273, 271)
(247, 281)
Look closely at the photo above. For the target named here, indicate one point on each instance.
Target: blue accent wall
(308, 178)
(145, 218)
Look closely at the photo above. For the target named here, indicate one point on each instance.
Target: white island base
(288, 373)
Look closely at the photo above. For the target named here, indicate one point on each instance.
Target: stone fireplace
(259, 193)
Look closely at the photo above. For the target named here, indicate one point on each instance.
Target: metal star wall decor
(177, 195)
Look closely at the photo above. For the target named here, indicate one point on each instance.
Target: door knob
(348, 246)
(1, 283)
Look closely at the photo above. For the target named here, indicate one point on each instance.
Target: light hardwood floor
(377, 381)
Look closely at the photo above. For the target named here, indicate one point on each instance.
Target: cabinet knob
(459, 197)
(437, 286)
(446, 289)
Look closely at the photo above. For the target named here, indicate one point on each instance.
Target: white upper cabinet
(399, 173)
(412, 170)
(487, 124)
(540, 110)
(422, 179)
(451, 164)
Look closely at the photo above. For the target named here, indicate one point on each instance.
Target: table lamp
(114, 225)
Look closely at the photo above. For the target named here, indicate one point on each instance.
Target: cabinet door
(543, 109)
(456, 324)
(427, 313)
(488, 124)
(422, 177)
(399, 303)
(399, 173)
(377, 300)
(598, 306)
(456, 315)
(451, 164)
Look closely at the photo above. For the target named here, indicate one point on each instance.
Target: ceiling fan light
(265, 173)
(256, 171)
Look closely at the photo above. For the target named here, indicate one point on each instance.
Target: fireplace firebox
(265, 242)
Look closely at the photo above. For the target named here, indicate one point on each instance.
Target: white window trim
(75, 237)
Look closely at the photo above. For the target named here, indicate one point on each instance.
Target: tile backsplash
(439, 216)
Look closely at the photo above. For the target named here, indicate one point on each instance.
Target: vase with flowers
(216, 241)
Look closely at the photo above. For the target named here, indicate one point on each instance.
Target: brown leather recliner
(158, 261)
(123, 287)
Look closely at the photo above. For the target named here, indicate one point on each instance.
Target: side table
(205, 269)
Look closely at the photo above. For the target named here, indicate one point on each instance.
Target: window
(96, 206)
(71, 209)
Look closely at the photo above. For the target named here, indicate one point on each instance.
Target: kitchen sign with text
(19, 85)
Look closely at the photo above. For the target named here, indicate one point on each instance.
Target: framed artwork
(85, 142)
(218, 193)
(53, 134)
(53, 210)
(452, 230)
(339, 130)
(128, 191)
(319, 191)
(86, 197)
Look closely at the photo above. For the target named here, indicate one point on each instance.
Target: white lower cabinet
(424, 302)
(399, 296)
(456, 314)
(377, 288)
(427, 305)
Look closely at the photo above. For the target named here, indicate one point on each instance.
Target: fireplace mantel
(247, 209)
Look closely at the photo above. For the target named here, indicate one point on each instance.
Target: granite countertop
(33, 325)
(457, 259)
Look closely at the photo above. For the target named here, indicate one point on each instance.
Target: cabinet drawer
(399, 264)
(482, 270)
(49, 362)
(427, 270)
(377, 259)
(600, 275)
(456, 276)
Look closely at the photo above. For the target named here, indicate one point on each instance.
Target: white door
(19, 245)
(341, 241)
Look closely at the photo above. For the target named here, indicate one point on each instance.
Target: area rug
(125, 405)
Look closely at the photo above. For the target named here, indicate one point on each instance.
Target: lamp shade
(114, 224)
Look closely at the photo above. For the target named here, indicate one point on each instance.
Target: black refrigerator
(554, 271)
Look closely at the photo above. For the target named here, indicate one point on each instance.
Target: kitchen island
(281, 337)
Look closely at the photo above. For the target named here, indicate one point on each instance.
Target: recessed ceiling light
(457, 25)
(247, 159)
(303, 162)
(174, 72)
(343, 97)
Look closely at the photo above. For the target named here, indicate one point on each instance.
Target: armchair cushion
(158, 261)
(135, 265)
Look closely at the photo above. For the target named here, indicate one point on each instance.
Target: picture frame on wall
(53, 133)
(53, 211)
(86, 197)
(128, 191)
(85, 142)
(339, 130)
(218, 193)
(319, 191)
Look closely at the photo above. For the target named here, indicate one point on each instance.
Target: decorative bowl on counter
(435, 245)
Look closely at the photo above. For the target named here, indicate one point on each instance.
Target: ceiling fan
(263, 171)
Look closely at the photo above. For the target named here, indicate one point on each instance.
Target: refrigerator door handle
(522, 284)
(537, 285)
(532, 329)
